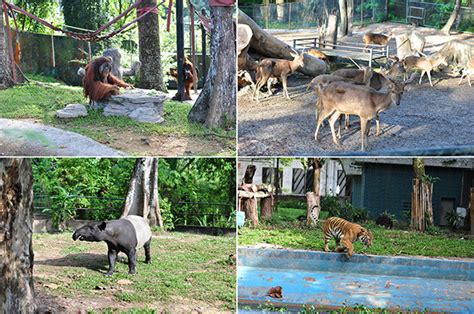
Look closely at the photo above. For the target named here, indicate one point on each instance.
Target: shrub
(343, 209)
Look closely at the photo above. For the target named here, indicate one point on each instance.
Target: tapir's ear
(102, 226)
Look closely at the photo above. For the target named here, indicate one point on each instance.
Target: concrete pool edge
(332, 288)
(409, 266)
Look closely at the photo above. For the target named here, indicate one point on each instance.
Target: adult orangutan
(99, 83)
(188, 77)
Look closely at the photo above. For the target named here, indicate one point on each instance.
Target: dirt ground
(427, 118)
(69, 276)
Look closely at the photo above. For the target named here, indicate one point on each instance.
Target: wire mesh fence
(205, 214)
(309, 14)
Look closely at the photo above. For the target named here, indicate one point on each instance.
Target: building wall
(329, 173)
(388, 187)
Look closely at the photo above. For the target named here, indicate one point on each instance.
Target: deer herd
(363, 92)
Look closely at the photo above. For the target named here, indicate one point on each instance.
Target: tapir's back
(142, 229)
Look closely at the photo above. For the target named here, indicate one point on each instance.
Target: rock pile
(143, 105)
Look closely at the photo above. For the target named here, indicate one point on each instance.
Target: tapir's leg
(132, 261)
(147, 252)
(112, 254)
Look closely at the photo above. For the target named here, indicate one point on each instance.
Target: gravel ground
(439, 118)
(25, 138)
(427, 118)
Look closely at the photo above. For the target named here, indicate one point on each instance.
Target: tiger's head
(365, 236)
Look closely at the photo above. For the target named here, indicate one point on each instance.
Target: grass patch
(284, 230)
(40, 99)
(184, 266)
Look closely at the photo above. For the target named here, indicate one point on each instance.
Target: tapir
(122, 235)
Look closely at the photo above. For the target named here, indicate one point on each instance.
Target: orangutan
(188, 77)
(99, 83)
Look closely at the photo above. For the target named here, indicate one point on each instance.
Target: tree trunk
(313, 209)
(447, 27)
(249, 206)
(16, 227)
(266, 208)
(5, 69)
(151, 75)
(331, 31)
(268, 45)
(350, 16)
(277, 184)
(142, 196)
(313, 200)
(216, 105)
(280, 10)
(422, 198)
(343, 15)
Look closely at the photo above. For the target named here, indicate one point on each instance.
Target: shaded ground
(439, 117)
(189, 273)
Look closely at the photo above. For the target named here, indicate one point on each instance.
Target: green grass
(286, 231)
(40, 99)
(184, 266)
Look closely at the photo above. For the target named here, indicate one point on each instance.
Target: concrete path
(24, 138)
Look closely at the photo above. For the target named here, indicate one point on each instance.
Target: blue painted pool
(329, 280)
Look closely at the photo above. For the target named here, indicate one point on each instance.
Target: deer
(344, 98)
(425, 64)
(373, 38)
(468, 71)
(278, 68)
(318, 54)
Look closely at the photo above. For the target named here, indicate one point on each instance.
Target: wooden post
(203, 48)
(472, 210)
(52, 51)
(266, 208)
(331, 35)
(180, 49)
(193, 47)
(10, 42)
(249, 205)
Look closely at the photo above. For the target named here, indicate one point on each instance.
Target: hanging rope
(91, 36)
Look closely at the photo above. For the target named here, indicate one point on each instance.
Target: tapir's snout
(75, 236)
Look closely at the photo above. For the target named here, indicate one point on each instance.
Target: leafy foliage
(195, 191)
(345, 210)
(201, 191)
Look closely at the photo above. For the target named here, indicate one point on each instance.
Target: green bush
(343, 209)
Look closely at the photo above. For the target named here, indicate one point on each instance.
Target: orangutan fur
(99, 83)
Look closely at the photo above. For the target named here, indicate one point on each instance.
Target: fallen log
(269, 46)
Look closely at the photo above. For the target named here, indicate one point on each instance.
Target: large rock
(72, 111)
(143, 105)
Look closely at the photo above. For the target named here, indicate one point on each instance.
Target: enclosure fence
(309, 14)
(204, 214)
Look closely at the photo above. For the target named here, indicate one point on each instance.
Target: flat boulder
(143, 105)
(72, 111)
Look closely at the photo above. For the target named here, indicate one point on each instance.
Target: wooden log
(258, 194)
(268, 45)
(266, 207)
(244, 35)
(249, 205)
(404, 48)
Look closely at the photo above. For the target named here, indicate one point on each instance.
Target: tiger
(347, 232)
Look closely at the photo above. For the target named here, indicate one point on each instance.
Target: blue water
(333, 289)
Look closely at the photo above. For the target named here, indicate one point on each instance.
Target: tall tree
(344, 18)
(216, 105)
(142, 197)
(313, 197)
(151, 75)
(454, 15)
(5, 70)
(16, 223)
(87, 14)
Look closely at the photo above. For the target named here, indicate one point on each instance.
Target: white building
(296, 178)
